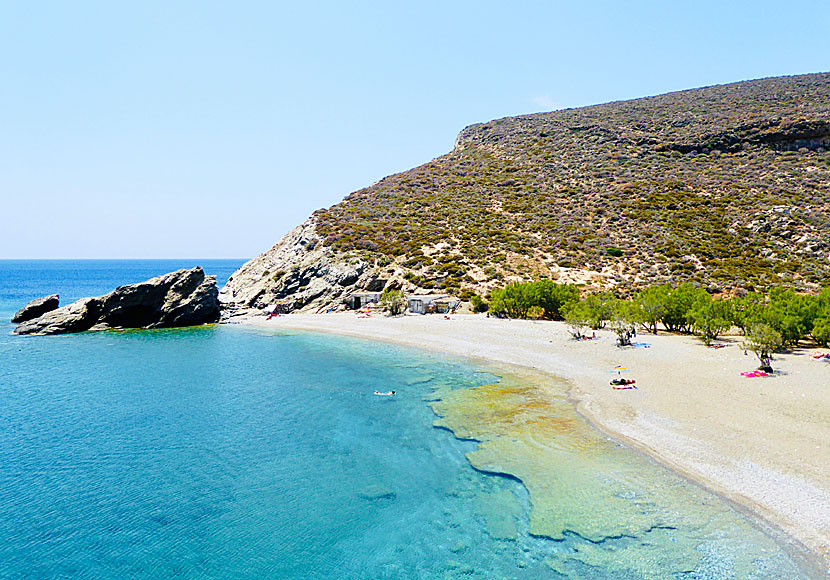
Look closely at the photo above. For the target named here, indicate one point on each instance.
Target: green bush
(517, 298)
(394, 301)
(479, 305)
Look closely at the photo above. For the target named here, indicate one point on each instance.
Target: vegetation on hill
(726, 187)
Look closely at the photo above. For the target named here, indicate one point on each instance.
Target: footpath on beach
(760, 441)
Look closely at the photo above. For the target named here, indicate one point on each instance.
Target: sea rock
(181, 298)
(36, 307)
(376, 491)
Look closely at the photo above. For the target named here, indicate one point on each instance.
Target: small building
(428, 303)
(280, 307)
(360, 299)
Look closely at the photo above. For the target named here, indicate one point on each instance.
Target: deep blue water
(224, 452)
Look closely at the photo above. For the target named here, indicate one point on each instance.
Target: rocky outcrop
(36, 308)
(300, 274)
(181, 298)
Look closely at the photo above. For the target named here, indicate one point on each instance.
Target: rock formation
(36, 308)
(300, 273)
(181, 298)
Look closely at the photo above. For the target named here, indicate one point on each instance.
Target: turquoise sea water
(225, 452)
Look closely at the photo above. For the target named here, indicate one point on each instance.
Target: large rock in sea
(36, 307)
(181, 298)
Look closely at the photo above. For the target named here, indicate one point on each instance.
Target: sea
(230, 452)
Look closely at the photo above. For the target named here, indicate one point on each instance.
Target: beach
(762, 442)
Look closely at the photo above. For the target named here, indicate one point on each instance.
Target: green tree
(516, 299)
(600, 307)
(649, 306)
(624, 322)
(394, 301)
(711, 318)
(763, 340)
(746, 310)
(791, 314)
(679, 304)
(821, 324)
(578, 317)
(512, 301)
(821, 331)
(552, 297)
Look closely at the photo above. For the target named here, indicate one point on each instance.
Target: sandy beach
(760, 442)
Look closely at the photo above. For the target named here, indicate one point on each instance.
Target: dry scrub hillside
(728, 186)
(725, 186)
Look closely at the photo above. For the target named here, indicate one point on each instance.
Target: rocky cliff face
(181, 298)
(301, 274)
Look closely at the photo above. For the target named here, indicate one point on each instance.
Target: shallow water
(225, 452)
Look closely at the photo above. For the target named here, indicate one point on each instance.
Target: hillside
(727, 186)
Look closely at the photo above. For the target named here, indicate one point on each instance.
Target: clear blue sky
(209, 129)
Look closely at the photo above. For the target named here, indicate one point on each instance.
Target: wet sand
(763, 443)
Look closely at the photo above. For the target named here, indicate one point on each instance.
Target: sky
(210, 129)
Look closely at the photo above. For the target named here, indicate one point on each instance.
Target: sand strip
(763, 443)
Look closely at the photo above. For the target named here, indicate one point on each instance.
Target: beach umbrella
(619, 369)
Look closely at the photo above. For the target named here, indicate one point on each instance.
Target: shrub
(394, 301)
(535, 312)
(479, 305)
(516, 299)
(614, 252)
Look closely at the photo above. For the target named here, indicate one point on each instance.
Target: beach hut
(428, 303)
(360, 299)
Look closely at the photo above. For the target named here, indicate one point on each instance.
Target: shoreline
(760, 443)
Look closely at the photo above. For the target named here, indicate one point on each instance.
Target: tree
(516, 299)
(821, 331)
(649, 306)
(623, 323)
(763, 340)
(679, 304)
(513, 301)
(394, 301)
(791, 314)
(552, 297)
(578, 318)
(600, 307)
(711, 317)
(746, 310)
(821, 323)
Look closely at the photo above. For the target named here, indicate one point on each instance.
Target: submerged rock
(376, 491)
(181, 298)
(36, 307)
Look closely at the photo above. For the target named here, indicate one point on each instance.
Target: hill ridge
(727, 186)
